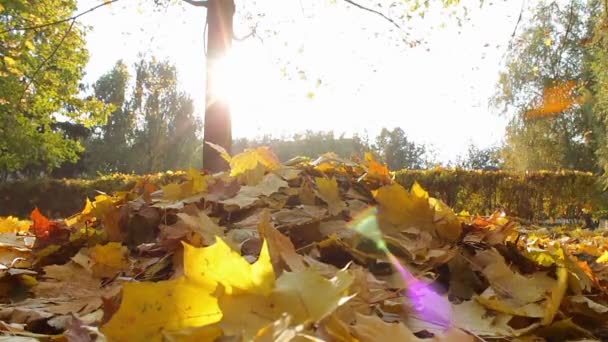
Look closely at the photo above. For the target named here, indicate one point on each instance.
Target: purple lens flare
(427, 303)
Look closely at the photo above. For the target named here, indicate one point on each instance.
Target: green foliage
(40, 70)
(548, 52)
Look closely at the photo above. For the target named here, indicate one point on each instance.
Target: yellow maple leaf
(172, 192)
(330, 194)
(147, 309)
(250, 158)
(199, 182)
(398, 206)
(225, 266)
(108, 259)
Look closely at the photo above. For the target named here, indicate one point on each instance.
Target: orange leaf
(42, 226)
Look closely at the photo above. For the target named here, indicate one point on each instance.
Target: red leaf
(42, 226)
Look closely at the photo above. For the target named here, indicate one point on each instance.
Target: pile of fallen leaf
(329, 249)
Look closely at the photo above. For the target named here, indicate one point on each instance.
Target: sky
(324, 65)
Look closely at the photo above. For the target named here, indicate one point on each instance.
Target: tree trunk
(218, 128)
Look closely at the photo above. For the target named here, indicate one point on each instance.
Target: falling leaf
(556, 99)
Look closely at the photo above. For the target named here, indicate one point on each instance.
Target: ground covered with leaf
(330, 250)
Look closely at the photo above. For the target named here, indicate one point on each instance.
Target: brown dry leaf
(248, 195)
(298, 216)
(66, 290)
(473, 317)
(307, 194)
(372, 328)
(201, 224)
(282, 251)
(506, 282)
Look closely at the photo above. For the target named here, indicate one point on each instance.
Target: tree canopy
(41, 66)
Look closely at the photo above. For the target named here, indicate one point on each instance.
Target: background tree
(108, 149)
(599, 84)
(153, 126)
(481, 158)
(399, 152)
(166, 135)
(40, 69)
(308, 144)
(549, 53)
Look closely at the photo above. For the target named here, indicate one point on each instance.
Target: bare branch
(521, 14)
(197, 3)
(25, 28)
(249, 35)
(375, 12)
(46, 60)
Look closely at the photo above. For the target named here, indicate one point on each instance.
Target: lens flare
(428, 304)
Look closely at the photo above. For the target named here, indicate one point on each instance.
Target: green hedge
(537, 196)
(58, 198)
(532, 196)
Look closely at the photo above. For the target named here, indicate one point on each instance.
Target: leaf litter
(330, 249)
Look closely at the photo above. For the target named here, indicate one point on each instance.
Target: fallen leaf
(330, 194)
(109, 259)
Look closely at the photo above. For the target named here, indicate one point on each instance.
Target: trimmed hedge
(537, 196)
(533, 195)
(58, 198)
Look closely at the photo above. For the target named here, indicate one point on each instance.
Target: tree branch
(48, 58)
(371, 10)
(25, 28)
(197, 3)
(249, 35)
